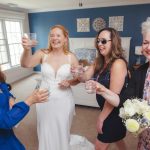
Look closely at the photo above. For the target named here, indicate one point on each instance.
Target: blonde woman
(54, 117)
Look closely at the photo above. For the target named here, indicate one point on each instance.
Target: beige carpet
(84, 122)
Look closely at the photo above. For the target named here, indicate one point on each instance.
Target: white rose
(127, 102)
(129, 108)
(147, 115)
(145, 107)
(137, 106)
(132, 125)
(122, 112)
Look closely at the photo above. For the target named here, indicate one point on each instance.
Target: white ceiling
(51, 5)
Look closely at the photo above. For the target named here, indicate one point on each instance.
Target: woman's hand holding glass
(43, 86)
(64, 84)
(92, 86)
(77, 71)
(29, 40)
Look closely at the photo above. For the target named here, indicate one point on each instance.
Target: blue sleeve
(13, 116)
(10, 95)
(6, 89)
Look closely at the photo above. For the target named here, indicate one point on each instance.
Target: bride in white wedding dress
(54, 117)
(54, 128)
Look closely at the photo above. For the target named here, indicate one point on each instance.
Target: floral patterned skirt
(144, 140)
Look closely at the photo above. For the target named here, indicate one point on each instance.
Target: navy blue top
(113, 127)
(104, 79)
(9, 118)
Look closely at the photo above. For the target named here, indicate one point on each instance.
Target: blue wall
(134, 15)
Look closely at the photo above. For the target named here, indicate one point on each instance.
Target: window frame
(14, 17)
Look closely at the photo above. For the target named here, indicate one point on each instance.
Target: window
(10, 43)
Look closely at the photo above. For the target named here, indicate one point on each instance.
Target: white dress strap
(44, 57)
(69, 58)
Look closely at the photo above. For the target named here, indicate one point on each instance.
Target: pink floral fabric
(144, 137)
(144, 140)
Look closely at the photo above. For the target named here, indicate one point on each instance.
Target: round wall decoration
(98, 24)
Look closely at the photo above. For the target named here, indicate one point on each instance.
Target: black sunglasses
(102, 41)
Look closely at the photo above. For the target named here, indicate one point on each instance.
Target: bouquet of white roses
(135, 114)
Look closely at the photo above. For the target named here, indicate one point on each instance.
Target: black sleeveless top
(104, 79)
(113, 127)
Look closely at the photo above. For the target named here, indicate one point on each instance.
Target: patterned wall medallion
(83, 25)
(98, 24)
(116, 22)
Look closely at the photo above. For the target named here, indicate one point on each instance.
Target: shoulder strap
(44, 57)
(69, 58)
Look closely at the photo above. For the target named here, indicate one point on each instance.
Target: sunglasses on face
(102, 41)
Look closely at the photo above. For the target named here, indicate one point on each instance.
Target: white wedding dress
(54, 117)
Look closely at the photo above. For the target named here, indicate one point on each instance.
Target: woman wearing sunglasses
(139, 86)
(110, 69)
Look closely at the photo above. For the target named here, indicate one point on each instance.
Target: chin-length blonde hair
(65, 32)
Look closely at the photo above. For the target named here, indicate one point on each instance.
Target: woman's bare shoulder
(119, 62)
(74, 59)
(72, 54)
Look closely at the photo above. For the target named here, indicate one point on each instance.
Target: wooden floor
(84, 122)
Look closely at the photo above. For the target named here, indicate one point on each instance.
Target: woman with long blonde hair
(54, 118)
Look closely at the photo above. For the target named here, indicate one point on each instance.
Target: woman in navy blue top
(138, 86)
(110, 69)
(11, 116)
